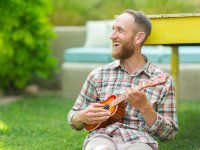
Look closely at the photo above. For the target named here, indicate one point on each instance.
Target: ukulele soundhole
(107, 106)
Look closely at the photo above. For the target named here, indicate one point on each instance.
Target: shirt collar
(116, 64)
(146, 68)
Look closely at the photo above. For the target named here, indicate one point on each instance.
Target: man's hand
(93, 114)
(136, 98)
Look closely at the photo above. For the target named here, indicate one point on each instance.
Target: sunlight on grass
(3, 128)
(40, 123)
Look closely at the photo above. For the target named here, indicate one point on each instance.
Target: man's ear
(139, 37)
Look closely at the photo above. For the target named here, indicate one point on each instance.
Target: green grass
(40, 123)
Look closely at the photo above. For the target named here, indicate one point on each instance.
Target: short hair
(142, 21)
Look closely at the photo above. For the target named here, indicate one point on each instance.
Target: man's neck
(134, 63)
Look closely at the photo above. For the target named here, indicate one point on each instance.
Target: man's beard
(123, 53)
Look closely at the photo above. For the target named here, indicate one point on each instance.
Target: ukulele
(117, 107)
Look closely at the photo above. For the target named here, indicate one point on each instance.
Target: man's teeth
(116, 44)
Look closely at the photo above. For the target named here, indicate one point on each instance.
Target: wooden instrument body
(117, 113)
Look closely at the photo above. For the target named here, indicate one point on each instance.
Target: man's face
(123, 37)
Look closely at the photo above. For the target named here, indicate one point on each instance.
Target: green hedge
(25, 33)
(77, 12)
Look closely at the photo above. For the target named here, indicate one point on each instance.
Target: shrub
(24, 42)
(77, 12)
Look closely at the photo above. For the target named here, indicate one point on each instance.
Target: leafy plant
(167, 6)
(77, 12)
(24, 42)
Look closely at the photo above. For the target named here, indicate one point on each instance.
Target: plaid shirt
(113, 79)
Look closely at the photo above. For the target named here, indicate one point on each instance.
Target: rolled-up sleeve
(87, 95)
(166, 124)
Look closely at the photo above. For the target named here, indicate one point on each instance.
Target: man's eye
(121, 30)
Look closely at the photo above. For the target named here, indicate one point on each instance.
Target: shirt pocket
(110, 88)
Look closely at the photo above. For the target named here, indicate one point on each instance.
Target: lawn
(40, 123)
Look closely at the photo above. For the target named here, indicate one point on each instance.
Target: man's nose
(112, 35)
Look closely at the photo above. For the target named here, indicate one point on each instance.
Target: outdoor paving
(8, 99)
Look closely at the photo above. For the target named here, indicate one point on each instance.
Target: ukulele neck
(122, 97)
(153, 82)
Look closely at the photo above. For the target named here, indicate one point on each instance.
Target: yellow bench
(174, 30)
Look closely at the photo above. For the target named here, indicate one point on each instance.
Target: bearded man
(149, 113)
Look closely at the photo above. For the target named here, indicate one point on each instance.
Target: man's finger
(97, 105)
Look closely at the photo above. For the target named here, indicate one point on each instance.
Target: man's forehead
(124, 20)
(124, 17)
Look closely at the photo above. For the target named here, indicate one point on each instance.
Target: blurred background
(77, 12)
(34, 35)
